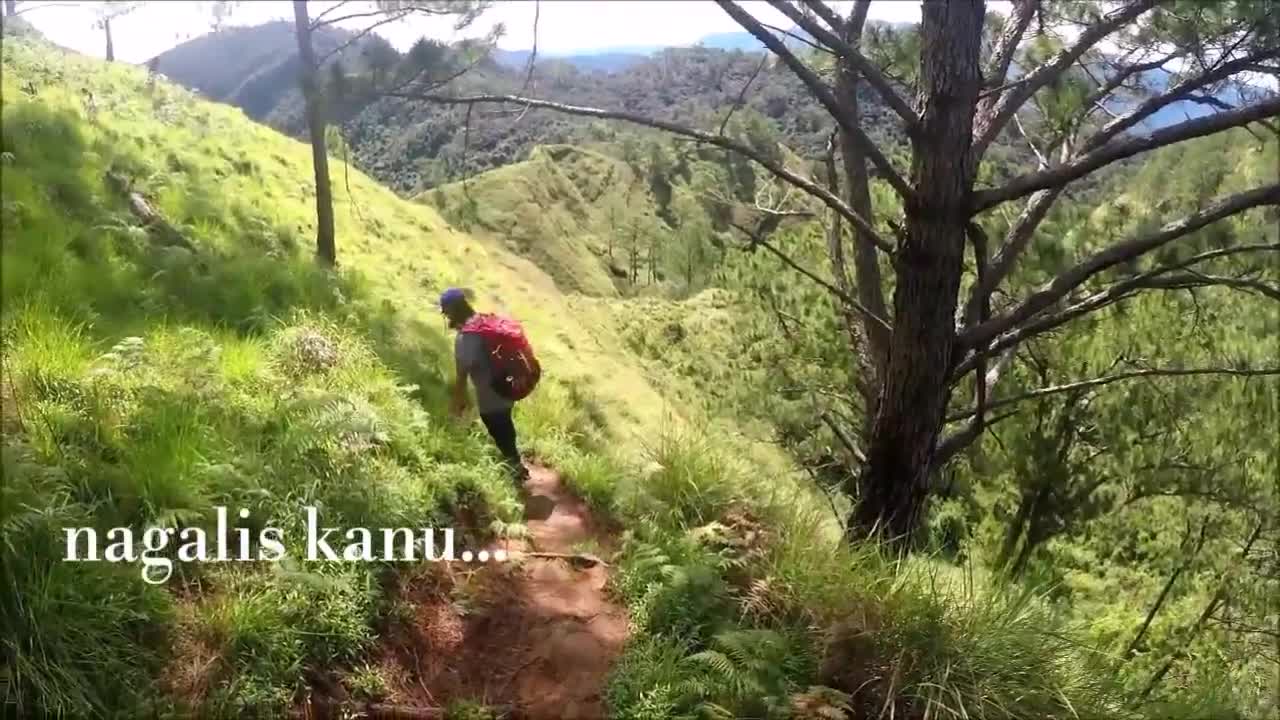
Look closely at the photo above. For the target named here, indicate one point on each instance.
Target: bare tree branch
(757, 239)
(332, 8)
(857, 192)
(1214, 496)
(316, 23)
(1037, 208)
(412, 83)
(1010, 37)
(396, 17)
(865, 370)
(742, 94)
(872, 74)
(824, 11)
(1189, 633)
(983, 381)
(1111, 295)
(1015, 242)
(952, 444)
(1107, 380)
(781, 173)
(823, 94)
(26, 8)
(842, 435)
(533, 54)
(1188, 557)
(1184, 281)
(989, 124)
(1072, 278)
(856, 24)
(1117, 80)
(799, 38)
(1087, 163)
(1178, 92)
(1043, 161)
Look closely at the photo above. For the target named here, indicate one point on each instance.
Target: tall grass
(743, 604)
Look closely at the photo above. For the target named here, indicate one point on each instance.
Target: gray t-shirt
(472, 357)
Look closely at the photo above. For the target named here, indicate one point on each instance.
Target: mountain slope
(549, 209)
(255, 68)
(379, 234)
(414, 146)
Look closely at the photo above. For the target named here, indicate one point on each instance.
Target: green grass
(743, 604)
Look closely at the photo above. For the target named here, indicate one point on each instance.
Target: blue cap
(451, 296)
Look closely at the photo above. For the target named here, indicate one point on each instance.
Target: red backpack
(515, 370)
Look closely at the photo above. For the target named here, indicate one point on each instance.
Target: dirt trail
(534, 635)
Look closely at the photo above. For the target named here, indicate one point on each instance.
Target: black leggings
(503, 431)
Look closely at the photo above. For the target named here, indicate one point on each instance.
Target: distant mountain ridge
(621, 57)
(589, 60)
(412, 147)
(255, 68)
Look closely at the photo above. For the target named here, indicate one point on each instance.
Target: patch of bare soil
(534, 636)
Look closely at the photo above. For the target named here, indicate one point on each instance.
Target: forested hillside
(961, 405)
(411, 146)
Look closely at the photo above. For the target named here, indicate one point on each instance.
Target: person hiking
(493, 353)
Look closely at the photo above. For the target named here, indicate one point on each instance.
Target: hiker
(493, 352)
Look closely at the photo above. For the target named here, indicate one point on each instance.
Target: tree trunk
(635, 259)
(1017, 528)
(1030, 528)
(1034, 538)
(1164, 592)
(858, 195)
(913, 395)
(840, 271)
(1190, 634)
(10, 8)
(326, 251)
(106, 28)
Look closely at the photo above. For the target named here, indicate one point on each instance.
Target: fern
(743, 672)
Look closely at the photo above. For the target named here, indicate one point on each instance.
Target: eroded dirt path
(535, 635)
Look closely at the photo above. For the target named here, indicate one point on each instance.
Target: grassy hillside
(552, 210)
(146, 384)
(244, 191)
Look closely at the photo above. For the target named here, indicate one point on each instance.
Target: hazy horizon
(564, 26)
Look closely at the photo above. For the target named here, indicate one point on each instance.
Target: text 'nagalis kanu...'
(398, 545)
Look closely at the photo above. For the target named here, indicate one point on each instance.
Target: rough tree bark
(326, 249)
(929, 264)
